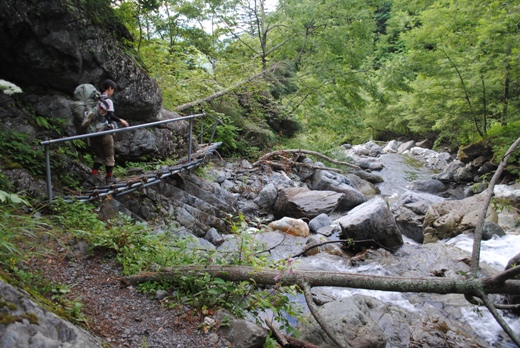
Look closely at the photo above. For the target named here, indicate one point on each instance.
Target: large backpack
(85, 108)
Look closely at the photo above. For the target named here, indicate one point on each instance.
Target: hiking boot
(110, 180)
(92, 181)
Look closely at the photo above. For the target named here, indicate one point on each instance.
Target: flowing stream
(398, 172)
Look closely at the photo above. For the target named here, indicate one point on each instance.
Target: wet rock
(300, 202)
(241, 333)
(328, 181)
(429, 186)
(450, 218)
(371, 221)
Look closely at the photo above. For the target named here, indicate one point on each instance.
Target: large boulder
(450, 218)
(349, 320)
(48, 48)
(371, 221)
(329, 181)
(470, 152)
(27, 324)
(300, 202)
(409, 212)
(56, 45)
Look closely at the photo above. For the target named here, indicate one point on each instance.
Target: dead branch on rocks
(277, 333)
(477, 241)
(319, 319)
(286, 154)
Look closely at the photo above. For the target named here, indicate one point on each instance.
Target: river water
(399, 170)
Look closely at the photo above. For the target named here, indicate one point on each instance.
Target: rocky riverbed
(399, 201)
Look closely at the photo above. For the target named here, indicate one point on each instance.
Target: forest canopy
(332, 72)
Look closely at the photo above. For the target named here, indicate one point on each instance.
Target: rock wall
(49, 47)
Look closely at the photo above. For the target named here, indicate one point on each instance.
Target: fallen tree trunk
(348, 280)
(225, 91)
(307, 152)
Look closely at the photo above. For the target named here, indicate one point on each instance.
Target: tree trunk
(225, 91)
(338, 279)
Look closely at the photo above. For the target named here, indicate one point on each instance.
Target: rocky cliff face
(49, 47)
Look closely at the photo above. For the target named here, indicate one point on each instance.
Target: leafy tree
(453, 73)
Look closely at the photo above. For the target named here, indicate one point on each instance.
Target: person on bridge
(103, 145)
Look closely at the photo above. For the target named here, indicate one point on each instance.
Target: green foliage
(502, 137)
(16, 227)
(19, 153)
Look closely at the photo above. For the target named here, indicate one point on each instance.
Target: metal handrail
(48, 142)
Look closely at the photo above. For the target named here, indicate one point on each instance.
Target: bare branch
(187, 106)
(508, 274)
(500, 319)
(319, 319)
(308, 152)
(477, 239)
(279, 336)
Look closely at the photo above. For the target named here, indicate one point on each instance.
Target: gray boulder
(329, 181)
(318, 222)
(409, 212)
(300, 202)
(448, 174)
(491, 229)
(392, 146)
(34, 326)
(406, 146)
(370, 177)
(450, 218)
(371, 221)
(365, 187)
(267, 197)
(350, 321)
(241, 333)
(432, 186)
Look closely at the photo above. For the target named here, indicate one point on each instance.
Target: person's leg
(93, 179)
(109, 159)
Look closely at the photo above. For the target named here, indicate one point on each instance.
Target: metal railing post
(189, 145)
(48, 171)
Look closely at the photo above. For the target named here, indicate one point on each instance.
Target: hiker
(103, 145)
